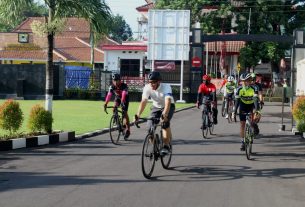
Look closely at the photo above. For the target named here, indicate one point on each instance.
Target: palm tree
(96, 12)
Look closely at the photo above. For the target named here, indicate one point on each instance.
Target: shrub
(298, 112)
(11, 116)
(40, 119)
(301, 126)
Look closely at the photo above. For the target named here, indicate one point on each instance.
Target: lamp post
(298, 53)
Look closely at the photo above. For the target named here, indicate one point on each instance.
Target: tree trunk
(49, 65)
(49, 73)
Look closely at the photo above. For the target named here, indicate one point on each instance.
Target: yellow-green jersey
(247, 95)
(230, 87)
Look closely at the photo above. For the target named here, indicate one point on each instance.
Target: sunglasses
(152, 82)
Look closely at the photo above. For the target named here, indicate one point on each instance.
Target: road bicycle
(248, 135)
(207, 120)
(116, 125)
(152, 146)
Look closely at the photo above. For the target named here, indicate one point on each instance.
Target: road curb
(37, 141)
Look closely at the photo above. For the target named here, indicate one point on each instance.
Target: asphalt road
(212, 172)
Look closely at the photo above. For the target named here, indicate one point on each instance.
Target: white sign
(168, 34)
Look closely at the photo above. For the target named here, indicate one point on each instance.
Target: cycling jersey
(208, 91)
(121, 95)
(158, 95)
(230, 87)
(246, 94)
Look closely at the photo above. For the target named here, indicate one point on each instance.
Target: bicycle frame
(249, 135)
(207, 119)
(151, 156)
(118, 120)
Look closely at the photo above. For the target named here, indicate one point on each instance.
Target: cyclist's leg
(215, 113)
(156, 113)
(166, 130)
(242, 117)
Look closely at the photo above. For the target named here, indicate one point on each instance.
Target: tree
(96, 12)
(120, 30)
(28, 10)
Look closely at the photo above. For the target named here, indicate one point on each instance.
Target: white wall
(300, 76)
(112, 58)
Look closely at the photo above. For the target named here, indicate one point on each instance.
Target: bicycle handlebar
(112, 107)
(137, 119)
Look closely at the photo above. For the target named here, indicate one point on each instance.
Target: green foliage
(120, 30)
(18, 12)
(298, 109)
(40, 120)
(11, 116)
(301, 126)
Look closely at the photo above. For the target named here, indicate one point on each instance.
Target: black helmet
(116, 76)
(156, 76)
(245, 76)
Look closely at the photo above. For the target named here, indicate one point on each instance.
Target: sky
(127, 9)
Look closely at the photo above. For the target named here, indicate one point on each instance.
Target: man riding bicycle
(207, 93)
(247, 100)
(120, 90)
(163, 106)
(229, 91)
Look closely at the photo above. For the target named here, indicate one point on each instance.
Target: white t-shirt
(158, 95)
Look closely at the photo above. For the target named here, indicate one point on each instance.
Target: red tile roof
(232, 47)
(72, 45)
(145, 8)
(125, 47)
(73, 26)
(34, 55)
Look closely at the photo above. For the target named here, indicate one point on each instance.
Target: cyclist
(163, 106)
(247, 99)
(207, 93)
(259, 88)
(120, 90)
(230, 88)
(222, 84)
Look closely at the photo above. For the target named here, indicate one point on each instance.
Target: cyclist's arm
(256, 99)
(237, 100)
(141, 106)
(109, 94)
(167, 106)
(199, 95)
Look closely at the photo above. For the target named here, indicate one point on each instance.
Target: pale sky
(125, 8)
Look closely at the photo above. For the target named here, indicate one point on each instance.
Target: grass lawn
(77, 115)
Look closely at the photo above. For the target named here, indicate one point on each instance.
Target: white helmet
(230, 78)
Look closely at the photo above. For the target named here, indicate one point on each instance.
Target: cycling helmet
(245, 76)
(156, 76)
(116, 76)
(206, 78)
(230, 78)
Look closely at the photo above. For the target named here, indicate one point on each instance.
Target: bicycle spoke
(114, 130)
(148, 156)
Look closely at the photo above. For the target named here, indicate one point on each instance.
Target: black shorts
(118, 101)
(245, 108)
(157, 112)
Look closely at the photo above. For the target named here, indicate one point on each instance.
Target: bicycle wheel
(204, 126)
(165, 160)
(148, 156)
(211, 124)
(223, 111)
(115, 129)
(248, 141)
